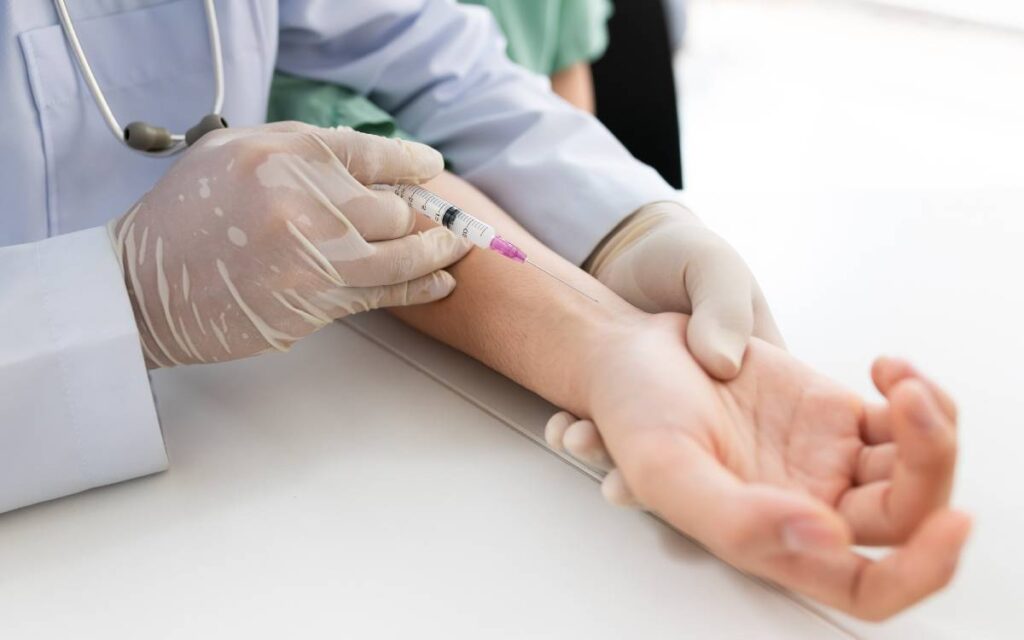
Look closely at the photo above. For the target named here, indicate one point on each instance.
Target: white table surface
(339, 492)
(309, 498)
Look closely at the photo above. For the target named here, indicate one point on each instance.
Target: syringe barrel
(443, 213)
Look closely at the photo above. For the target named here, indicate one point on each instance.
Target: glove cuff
(634, 227)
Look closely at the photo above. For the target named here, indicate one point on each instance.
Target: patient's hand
(780, 470)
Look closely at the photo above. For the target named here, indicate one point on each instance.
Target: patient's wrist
(587, 338)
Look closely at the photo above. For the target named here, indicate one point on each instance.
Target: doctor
(112, 260)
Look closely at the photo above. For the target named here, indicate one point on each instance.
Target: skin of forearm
(517, 320)
(576, 85)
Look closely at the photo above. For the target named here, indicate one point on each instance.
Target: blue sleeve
(441, 70)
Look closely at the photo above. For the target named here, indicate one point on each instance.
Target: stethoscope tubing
(216, 53)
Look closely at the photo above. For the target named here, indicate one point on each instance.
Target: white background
(1006, 13)
(869, 164)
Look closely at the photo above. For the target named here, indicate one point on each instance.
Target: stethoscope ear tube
(141, 136)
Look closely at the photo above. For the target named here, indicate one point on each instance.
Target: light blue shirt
(77, 408)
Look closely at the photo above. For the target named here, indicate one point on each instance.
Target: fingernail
(808, 534)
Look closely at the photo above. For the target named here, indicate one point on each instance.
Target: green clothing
(327, 105)
(544, 36)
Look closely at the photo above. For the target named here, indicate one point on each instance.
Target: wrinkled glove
(258, 237)
(662, 258)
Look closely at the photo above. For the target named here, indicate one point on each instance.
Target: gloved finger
(615, 491)
(379, 215)
(554, 430)
(887, 512)
(583, 442)
(377, 160)
(283, 126)
(723, 313)
(396, 261)
(765, 327)
(376, 215)
(343, 301)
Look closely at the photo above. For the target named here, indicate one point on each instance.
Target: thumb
(377, 160)
(744, 523)
(723, 316)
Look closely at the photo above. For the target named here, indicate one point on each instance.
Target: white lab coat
(76, 409)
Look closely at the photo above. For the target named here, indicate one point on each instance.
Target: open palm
(780, 470)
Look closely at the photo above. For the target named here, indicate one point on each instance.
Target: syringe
(462, 224)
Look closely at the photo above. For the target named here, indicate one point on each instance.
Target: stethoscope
(141, 136)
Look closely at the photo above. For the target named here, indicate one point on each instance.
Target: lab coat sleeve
(76, 409)
(441, 70)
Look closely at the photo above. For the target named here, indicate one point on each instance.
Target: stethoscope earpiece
(209, 123)
(142, 136)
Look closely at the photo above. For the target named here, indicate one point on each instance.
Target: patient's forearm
(516, 319)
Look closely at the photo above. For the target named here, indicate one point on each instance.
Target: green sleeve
(546, 36)
(327, 105)
(583, 32)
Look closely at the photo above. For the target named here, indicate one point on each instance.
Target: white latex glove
(258, 237)
(662, 258)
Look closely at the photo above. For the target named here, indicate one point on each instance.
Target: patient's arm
(777, 471)
(516, 319)
(576, 85)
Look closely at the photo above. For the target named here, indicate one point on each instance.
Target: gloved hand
(259, 237)
(662, 258)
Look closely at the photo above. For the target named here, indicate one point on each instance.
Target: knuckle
(400, 267)
(291, 125)
(402, 220)
(252, 151)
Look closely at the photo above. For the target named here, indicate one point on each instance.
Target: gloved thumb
(722, 321)
(716, 344)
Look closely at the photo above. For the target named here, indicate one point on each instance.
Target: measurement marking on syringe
(462, 224)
